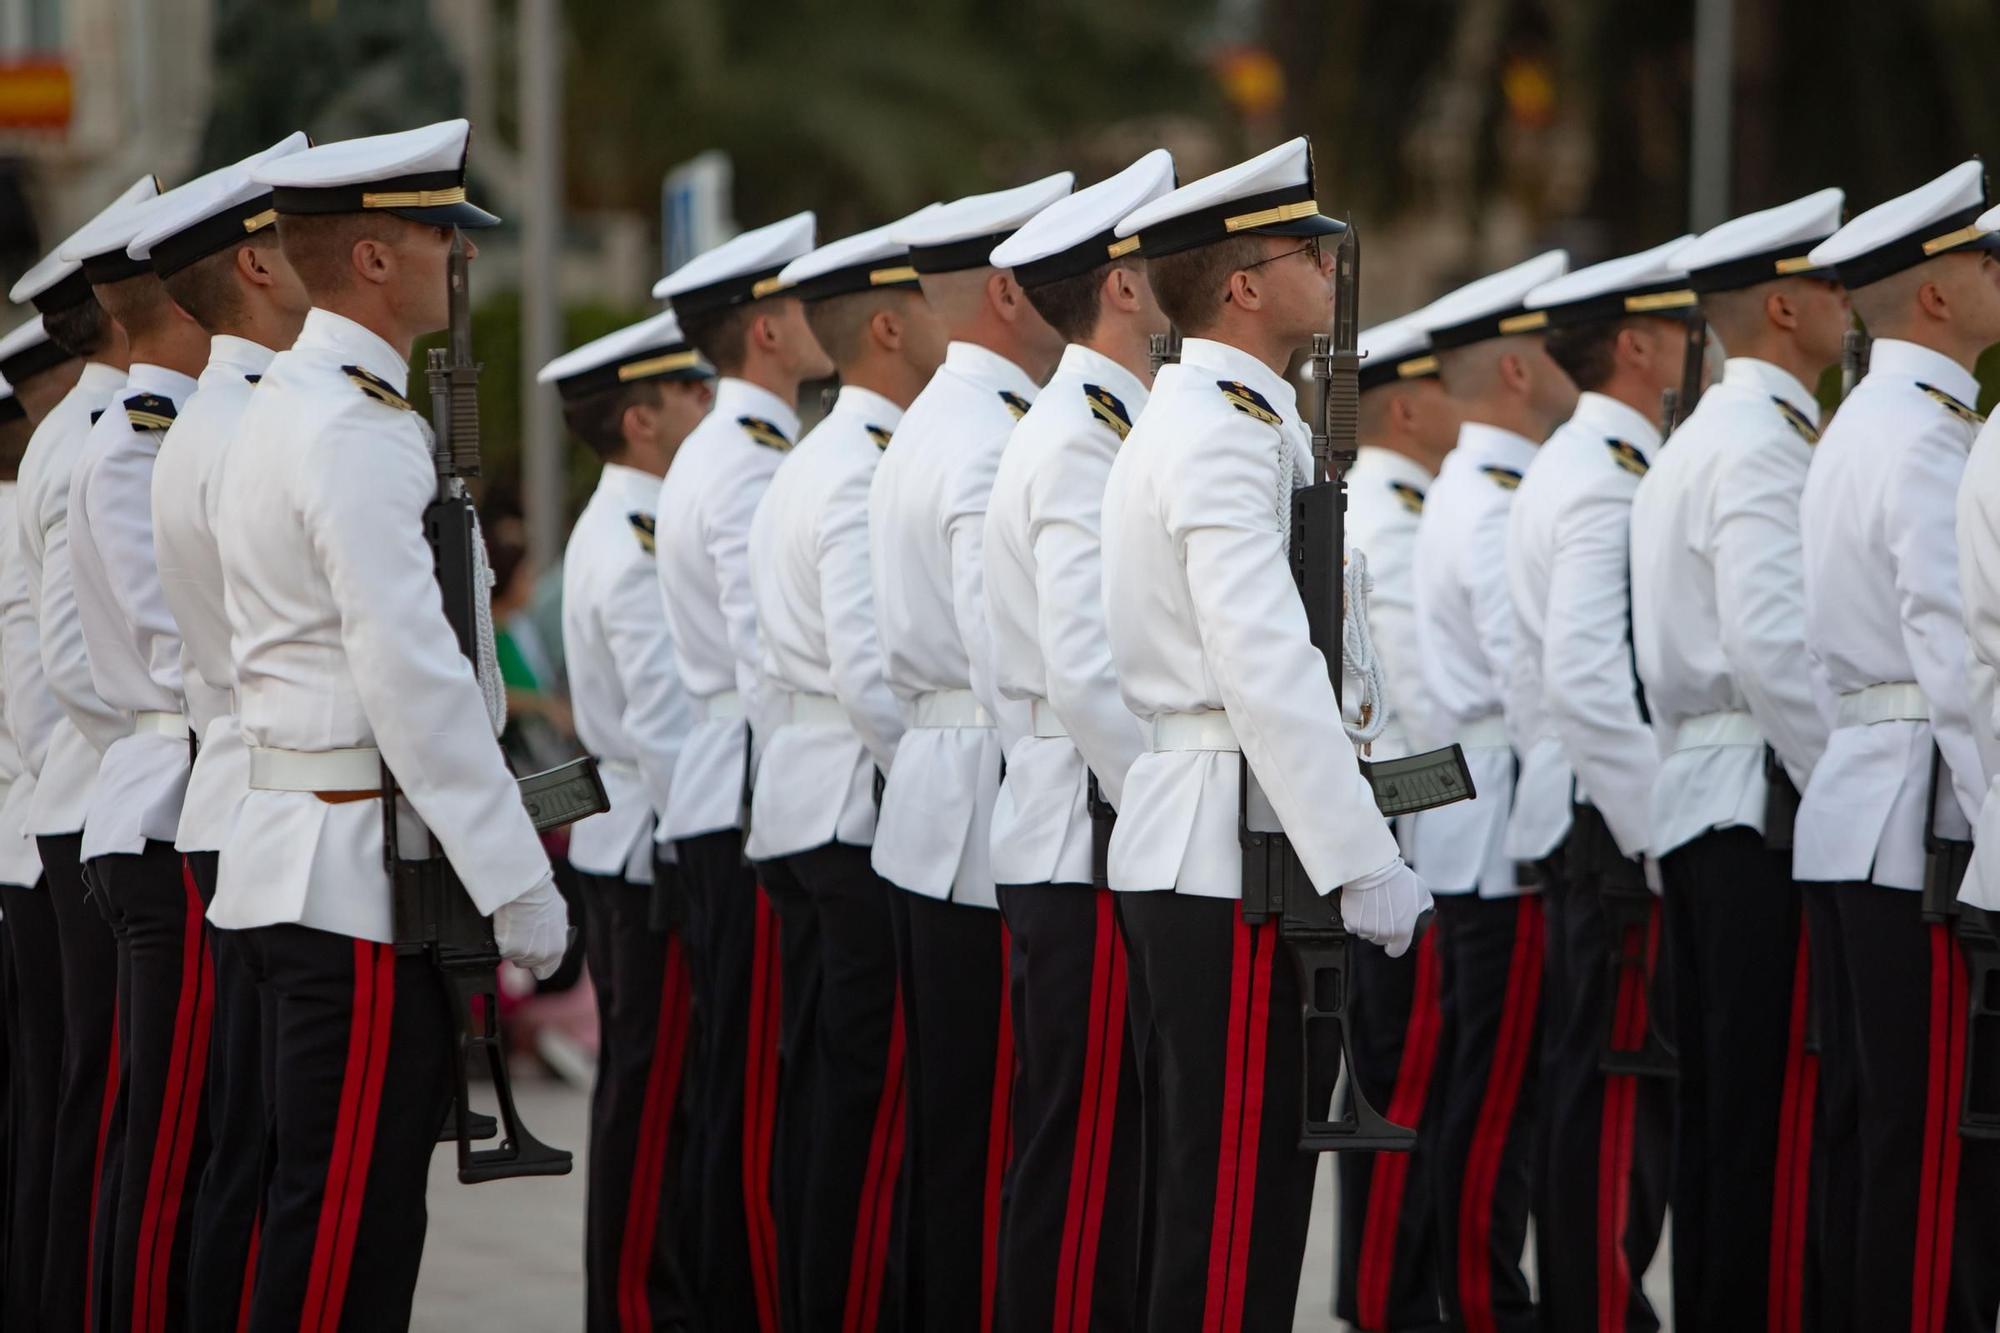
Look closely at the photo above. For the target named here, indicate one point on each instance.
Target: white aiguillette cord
(1358, 652)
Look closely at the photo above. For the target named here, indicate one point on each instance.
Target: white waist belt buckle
(358, 769)
(161, 724)
(817, 710)
(1207, 730)
(1485, 733)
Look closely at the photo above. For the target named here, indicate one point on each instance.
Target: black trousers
(847, 1086)
(363, 1041)
(734, 968)
(1490, 955)
(223, 1248)
(959, 1048)
(1835, 1194)
(633, 1272)
(166, 995)
(34, 1074)
(1607, 1140)
(1929, 1201)
(1233, 1191)
(1069, 1236)
(84, 1138)
(1388, 1239)
(793, 1131)
(1747, 1086)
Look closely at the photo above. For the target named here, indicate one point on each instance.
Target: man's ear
(763, 333)
(885, 326)
(1932, 300)
(1513, 372)
(1120, 291)
(1779, 310)
(373, 260)
(251, 268)
(1004, 295)
(638, 422)
(1403, 411)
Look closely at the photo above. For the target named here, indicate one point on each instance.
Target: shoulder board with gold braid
(1106, 407)
(377, 388)
(149, 411)
(252, 379)
(1015, 403)
(1412, 498)
(1249, 402)
(1627, 456)
(1506, 478)
(878, 434)
(765, 433)
(642, 528)
(1952, 405)
(1797, 420)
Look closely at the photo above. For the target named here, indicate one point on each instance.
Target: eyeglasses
(1311, 247)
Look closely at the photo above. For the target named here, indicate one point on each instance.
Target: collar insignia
(879, 435)
(1104, 405)
(1412, 498)
(1249, 402)
(377, 388)
(1627, 456)
(253, 378)
(149, 411)
(1506, 478)
(95, 415)
(1953, 406)
(765, 433)
(642, 528)
(1797, 420)
(1015, 403)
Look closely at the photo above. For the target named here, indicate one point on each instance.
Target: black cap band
(739, 290)
(113, 266)
(212, 234)
(1377, 371)
(71, 292)
(1498, 324)
(1289, 211)
(1785, 261)
(957, 256)
(667, 361)
(1958, 231)
(1079, 259)
(890, 271)
(1669, 300)
(33, 360)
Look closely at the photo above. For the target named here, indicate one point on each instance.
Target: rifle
(433, 914)
(1163, 349)
(1945, 863)
(1854, 348)
(1275, 884)
(1676, 404)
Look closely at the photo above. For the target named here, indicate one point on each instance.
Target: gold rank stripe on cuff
(1249, 402)
(377, 388)
(1627, 456)
(765, 433)
(1106, 407)
(413, 198)
(1797, 420)
(1952, 405)
(643, 525)
(1271, 217)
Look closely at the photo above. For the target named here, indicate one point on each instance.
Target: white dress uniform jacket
(1718, 603)
(1203, 616)
(340, 643)
(1569, 543)
(1979, 577)
(926, 531)
(20, 863)
(187, 486)
(1465, 632)
(129, 633)
(625, 691)
(63, 761)
(1045, 602)
(815, 600)
(1878, 521)
(711, 489)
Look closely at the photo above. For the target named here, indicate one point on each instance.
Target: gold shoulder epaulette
(149, 411)
(377, 388)
(1249, 402)
(1797, 420)
(765, 433)
(878, 434)
(1953, 406)
(1412, 498)
(1506, 478)
(1105, 406)
(642, 528)
(1627, 456)
(1015, 403)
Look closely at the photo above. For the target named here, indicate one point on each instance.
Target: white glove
(533, 930)
(1382, 906)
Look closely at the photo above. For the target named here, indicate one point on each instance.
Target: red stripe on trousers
(1264, 943)
(1496, 1115)
(656, 1118)
(180, 1106)
(1615, 1141)
(249, 1273)
(878, 1190)
(1389, 1173)
(1785, 1281)
(97, 1170)
(1083, 1209)
(353, 1135)
(760, 1105)
(999, 1139)
(1945, 1085)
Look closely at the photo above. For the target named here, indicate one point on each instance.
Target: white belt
(1048, 726)
(721, 706)
(1486, 733)
(950, 708)
(1896, 701)
(358, 769)
(1709, 730)
(163, 724)
(1206, 730)
(817, 710)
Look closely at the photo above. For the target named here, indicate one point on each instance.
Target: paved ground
(506, 1257)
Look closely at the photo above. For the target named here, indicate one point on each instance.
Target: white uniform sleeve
(1392, 623)
(65, 660)
(31, 709)
(847, 604)
(965, 535)
(1483, 573)
(728, 544)
(1760, 598)
(1921, 513)
(120, 502)
(658, 713)
(1587, 664)
(365, 485)
(1222, 514)
(1068, 551)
